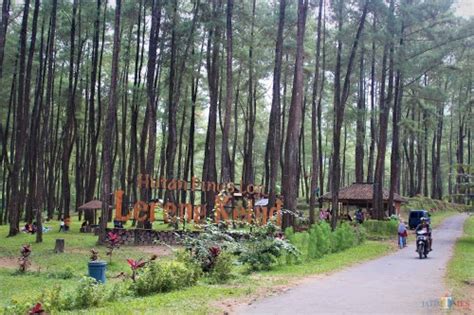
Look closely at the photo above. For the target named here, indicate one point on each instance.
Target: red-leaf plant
(37, 309)
(137, 264)
(24, 260)
(113, 242)
(213, 253)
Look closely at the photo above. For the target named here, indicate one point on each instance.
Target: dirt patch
(77, 250)
(229, 306)
(12, 263)
(8, 262)
(158, 250)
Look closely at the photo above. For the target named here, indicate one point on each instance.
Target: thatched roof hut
(91, 205)
(361, 195)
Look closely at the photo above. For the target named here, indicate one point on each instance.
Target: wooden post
(59, 248)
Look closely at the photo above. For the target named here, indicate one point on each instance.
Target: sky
(464, 8)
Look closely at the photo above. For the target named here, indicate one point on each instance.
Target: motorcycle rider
(425, 225)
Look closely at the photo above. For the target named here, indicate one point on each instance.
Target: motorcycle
(422, 243)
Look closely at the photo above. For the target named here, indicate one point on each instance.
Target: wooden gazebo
(361, 195)
(92, 206)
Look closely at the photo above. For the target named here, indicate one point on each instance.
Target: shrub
(260, 255)
(378, 229)
(55, 299)
(289, 232)
(300, 241)
(361, 234)
(343, 238)
(118, 291)
(205, 248)
(89, 293)
(17, 306)
(319, 240)
(261, 251)
(188, 260)
(163, 277)
(222, 270)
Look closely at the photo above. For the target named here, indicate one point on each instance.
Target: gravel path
(399, 283)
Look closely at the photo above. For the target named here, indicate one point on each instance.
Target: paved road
(399, 283)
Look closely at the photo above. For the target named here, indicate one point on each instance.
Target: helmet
(423, 219)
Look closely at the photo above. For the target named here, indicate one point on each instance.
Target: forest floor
(399, 283)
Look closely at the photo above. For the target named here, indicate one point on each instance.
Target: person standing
(61, 225)
(402, 234)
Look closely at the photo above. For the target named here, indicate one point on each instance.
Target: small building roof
(360, 193)
(91, 205)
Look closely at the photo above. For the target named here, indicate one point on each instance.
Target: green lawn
(48, 266)
(461, 267)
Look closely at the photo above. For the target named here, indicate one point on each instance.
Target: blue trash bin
(97, 270)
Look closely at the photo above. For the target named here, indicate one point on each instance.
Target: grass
(461, 267)
(46, 264)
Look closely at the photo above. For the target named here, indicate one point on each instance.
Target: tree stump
(59, 248)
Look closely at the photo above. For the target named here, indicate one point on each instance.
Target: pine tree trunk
(290, 170)
(385, 104)
(21, 121)
(248, 168)
(370, 165)
(340, 99)
(69, 130)
(3, 31)
(110, 125)
(360, 124)
(274, 134)
(396, 117)
(212, 65)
